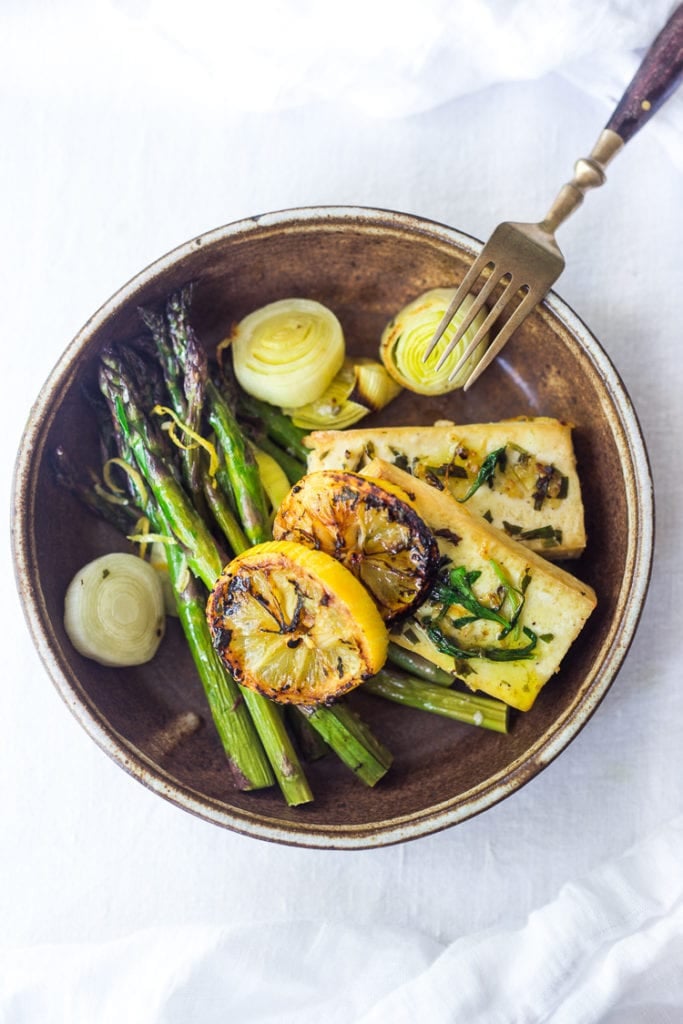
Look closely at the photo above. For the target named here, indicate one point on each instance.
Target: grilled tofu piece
(520, 474)
(488, 580)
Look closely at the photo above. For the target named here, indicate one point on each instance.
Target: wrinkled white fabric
(608, 948)
(129, 127)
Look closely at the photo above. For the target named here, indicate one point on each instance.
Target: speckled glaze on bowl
(365, 264)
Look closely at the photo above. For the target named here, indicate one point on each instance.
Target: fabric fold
(608, 945)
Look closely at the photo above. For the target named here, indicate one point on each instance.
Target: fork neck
(589, 172)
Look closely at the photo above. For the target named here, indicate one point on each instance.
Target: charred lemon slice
(294, 624)
(371, 529)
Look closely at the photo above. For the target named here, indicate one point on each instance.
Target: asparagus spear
(278, 426)
(122, 517)
(234, 724)
(310, 744)
(350, 739)
(293, 468)
(240, 462)
(416, 693)
(418, 666)
(186, 396)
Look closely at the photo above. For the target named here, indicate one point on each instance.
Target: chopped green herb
(547, 533)
(487, 516)
(495, 460)
(511, 595)
(546, 637)
(446, 646)
(512, 529)
(456, 588)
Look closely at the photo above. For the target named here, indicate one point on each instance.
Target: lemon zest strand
(183, 578)
(113, 499)
(141, 535)
(199, 441)
(130, 471)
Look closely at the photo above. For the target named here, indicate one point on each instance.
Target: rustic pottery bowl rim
(435, 817)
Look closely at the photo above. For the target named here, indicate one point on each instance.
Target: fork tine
(525, 307)
(464, 288)
(466, 322)
(488, 323)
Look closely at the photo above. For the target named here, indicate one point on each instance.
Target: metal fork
(524, 258)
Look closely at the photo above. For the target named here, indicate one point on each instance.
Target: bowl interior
(364, 265)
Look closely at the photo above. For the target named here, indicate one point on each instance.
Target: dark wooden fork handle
(653, 82)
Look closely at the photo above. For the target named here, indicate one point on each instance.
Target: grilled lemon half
(295, 625)
(371, 528)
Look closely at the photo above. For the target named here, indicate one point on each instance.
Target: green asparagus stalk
(351, 740)
(122, 517)
(242, 469)
(174, 385)
(269, 721)
(246, 757)
(293, 468)
(225, 519)
(234, 724)
(309, 743)
(416, 693)
(182, 519)
(418, 666)
(240, 462)
(184, 397)
(278, 426)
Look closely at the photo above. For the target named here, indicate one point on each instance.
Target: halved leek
(114, 610)
(361, 386)
(406, 337)
(288, 352)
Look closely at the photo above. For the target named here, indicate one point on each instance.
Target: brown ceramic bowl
(364, 264)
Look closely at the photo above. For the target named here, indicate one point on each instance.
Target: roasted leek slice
(407, 335)
(114, 610)
(295, 625)
(372, 529)
(287, 352)
(361, 386)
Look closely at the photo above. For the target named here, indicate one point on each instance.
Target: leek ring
(407, 336)
(288, 352)
(114, 610)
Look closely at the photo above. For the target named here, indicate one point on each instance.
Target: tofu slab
(451, 456)
(556, 604)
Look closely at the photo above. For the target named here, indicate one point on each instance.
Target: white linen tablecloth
(126, 129)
